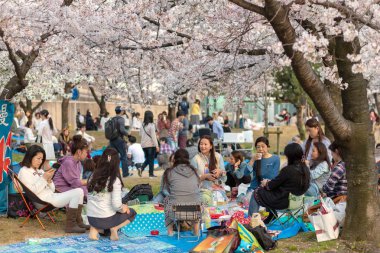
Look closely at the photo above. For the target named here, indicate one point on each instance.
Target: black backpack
(137, 190)
(265, 240)
(111, 129)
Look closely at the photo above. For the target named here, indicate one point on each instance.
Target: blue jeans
(253, 205)
(150, 154)
(119, 145)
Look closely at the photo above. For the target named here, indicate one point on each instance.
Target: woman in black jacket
(294, 178)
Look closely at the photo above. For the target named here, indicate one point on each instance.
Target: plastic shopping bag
(325, 223)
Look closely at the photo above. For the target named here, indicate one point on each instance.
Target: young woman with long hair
(46, 131)
(294, 179)
(104, 207)
(40, 183)
(319, 169)
(149, 143)
(181, 181)
(316, 134)
(238, 171)
(210, 168)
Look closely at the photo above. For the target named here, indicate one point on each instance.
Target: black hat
(119, 109)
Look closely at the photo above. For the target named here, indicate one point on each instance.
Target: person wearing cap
(119, 143)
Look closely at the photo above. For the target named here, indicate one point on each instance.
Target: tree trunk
(363, 206)
(351, 129)
(102, 105)
(266, 126)
(65, 105)
(101, 102)
(300, 120)
(336, 97)
(29, 107)
(172, 111)
(238, 113)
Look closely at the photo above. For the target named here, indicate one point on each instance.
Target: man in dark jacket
(119, 143)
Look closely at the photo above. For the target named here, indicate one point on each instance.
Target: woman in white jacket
(105, 209)
(46, 131)
(40, 183)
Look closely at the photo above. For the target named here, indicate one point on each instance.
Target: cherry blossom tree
(306, 30)
(219, 47)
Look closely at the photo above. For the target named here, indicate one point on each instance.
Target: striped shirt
(337, 183)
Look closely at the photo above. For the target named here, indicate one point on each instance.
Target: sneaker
(139, 172)
(152, 176)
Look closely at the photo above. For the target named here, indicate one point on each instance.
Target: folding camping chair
(39, 205)
(191, 213)
(294, 210)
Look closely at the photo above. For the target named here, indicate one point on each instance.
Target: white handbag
(325, 223)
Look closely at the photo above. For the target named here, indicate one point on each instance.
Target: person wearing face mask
(210, 168)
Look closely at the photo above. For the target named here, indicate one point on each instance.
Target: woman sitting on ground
(104, 207)
(294, 179)
(69, 174)
(65, 140)
(182, 183)
(41, 184)
(319, 169)
(336, 185)
(264, 164)
(237, 170)
(210, 169)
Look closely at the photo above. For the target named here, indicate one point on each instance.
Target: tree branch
(208, 47)
(310, 82)
(67, 3)
(94, 95)
(37, 106)
(349, 13)
(249, 6)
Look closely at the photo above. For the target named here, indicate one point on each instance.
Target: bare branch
(94, 94)
(20, 54)
(164, 45)
(249, 6)
(239, 51)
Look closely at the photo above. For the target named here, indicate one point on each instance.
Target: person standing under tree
(45, 132)
(119, 143)
(184, 106)
(149, 143)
